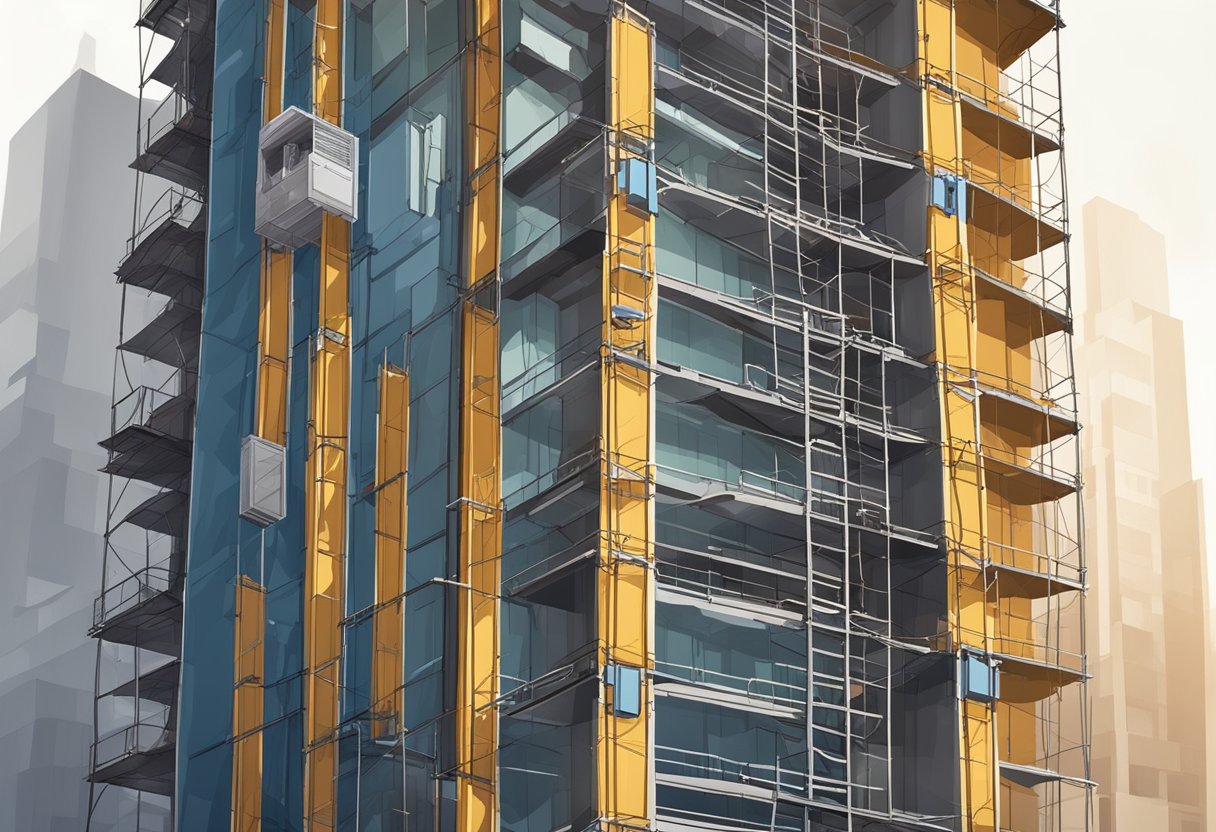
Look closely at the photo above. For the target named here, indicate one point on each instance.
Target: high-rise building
(64, 221)
(611, 416)
(1147, 628)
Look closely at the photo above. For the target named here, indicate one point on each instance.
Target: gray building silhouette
(66, 217)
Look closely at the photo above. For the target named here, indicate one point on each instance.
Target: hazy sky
(1139, 132)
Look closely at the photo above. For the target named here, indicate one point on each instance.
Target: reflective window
(755, 658)
(698, 739)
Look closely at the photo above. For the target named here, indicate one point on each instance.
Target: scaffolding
(137, 617)
(768, 432)
(1018, 575)
(789, 144)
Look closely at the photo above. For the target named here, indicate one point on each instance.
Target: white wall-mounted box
(263, 480)
(306, 166)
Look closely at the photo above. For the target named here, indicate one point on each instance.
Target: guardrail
(130, 593)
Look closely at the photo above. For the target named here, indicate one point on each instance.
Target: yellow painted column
(625, 577)
(248, 706)
(275, 311)
(270, 422)
(329, 410)
(955, 312)
(392, 454)
(479, 505)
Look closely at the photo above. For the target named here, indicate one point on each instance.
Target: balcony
(158, 685)
(1026, 296)
(993, 119)
(1027, 574)
(1010, 27)
(750, 495)
(151, 437)
(722, 748)
(164, 513)
(852, 244)
(144, 610)
(166, 256)
(1010, 213)
(547, 756)
(543, 150)
(1027, 479)
(142, 756)
(1038, 422)
(1033, 672)
(763, 399)
(557, 223)
(552, 373)
(172, 337)
(758, 656)
(705, 362)
(716, 45)
(704, 554)
(187, 68)
(171, 17)
(176, 143)
(1030, 776)
(867, 34)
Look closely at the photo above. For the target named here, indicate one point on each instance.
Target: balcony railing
(137, 407)
(552, 368)
(711, 582)
(176, 203)
(139, 738)
(130, 593)
(787, 690)
(747, 482)
(669, 760)
(167, 115)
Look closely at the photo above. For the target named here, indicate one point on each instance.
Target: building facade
(58, 322)
(1147, 632)
(627, 417)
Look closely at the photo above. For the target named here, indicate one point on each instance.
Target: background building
(64, 225)
(1147, 630)
(607, 418)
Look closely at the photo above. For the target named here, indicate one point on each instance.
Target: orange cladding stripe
(329, 410)
(480, 483)
(392, 454)
(625, 574)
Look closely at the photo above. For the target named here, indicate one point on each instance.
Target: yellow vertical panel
(276, 45)
(325, 521)
(957, 353)
(480, 514)
(273, 337)
(274, 312)
(978, 751)
(979, 523)
(392, 453)
(625, 591)
(247, 707)
(480, 562)
(326, 525)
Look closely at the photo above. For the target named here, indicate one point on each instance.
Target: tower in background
(64, 226)
(1147, 626)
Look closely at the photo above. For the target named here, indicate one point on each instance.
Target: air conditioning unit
(263, 480)
(306, 166)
